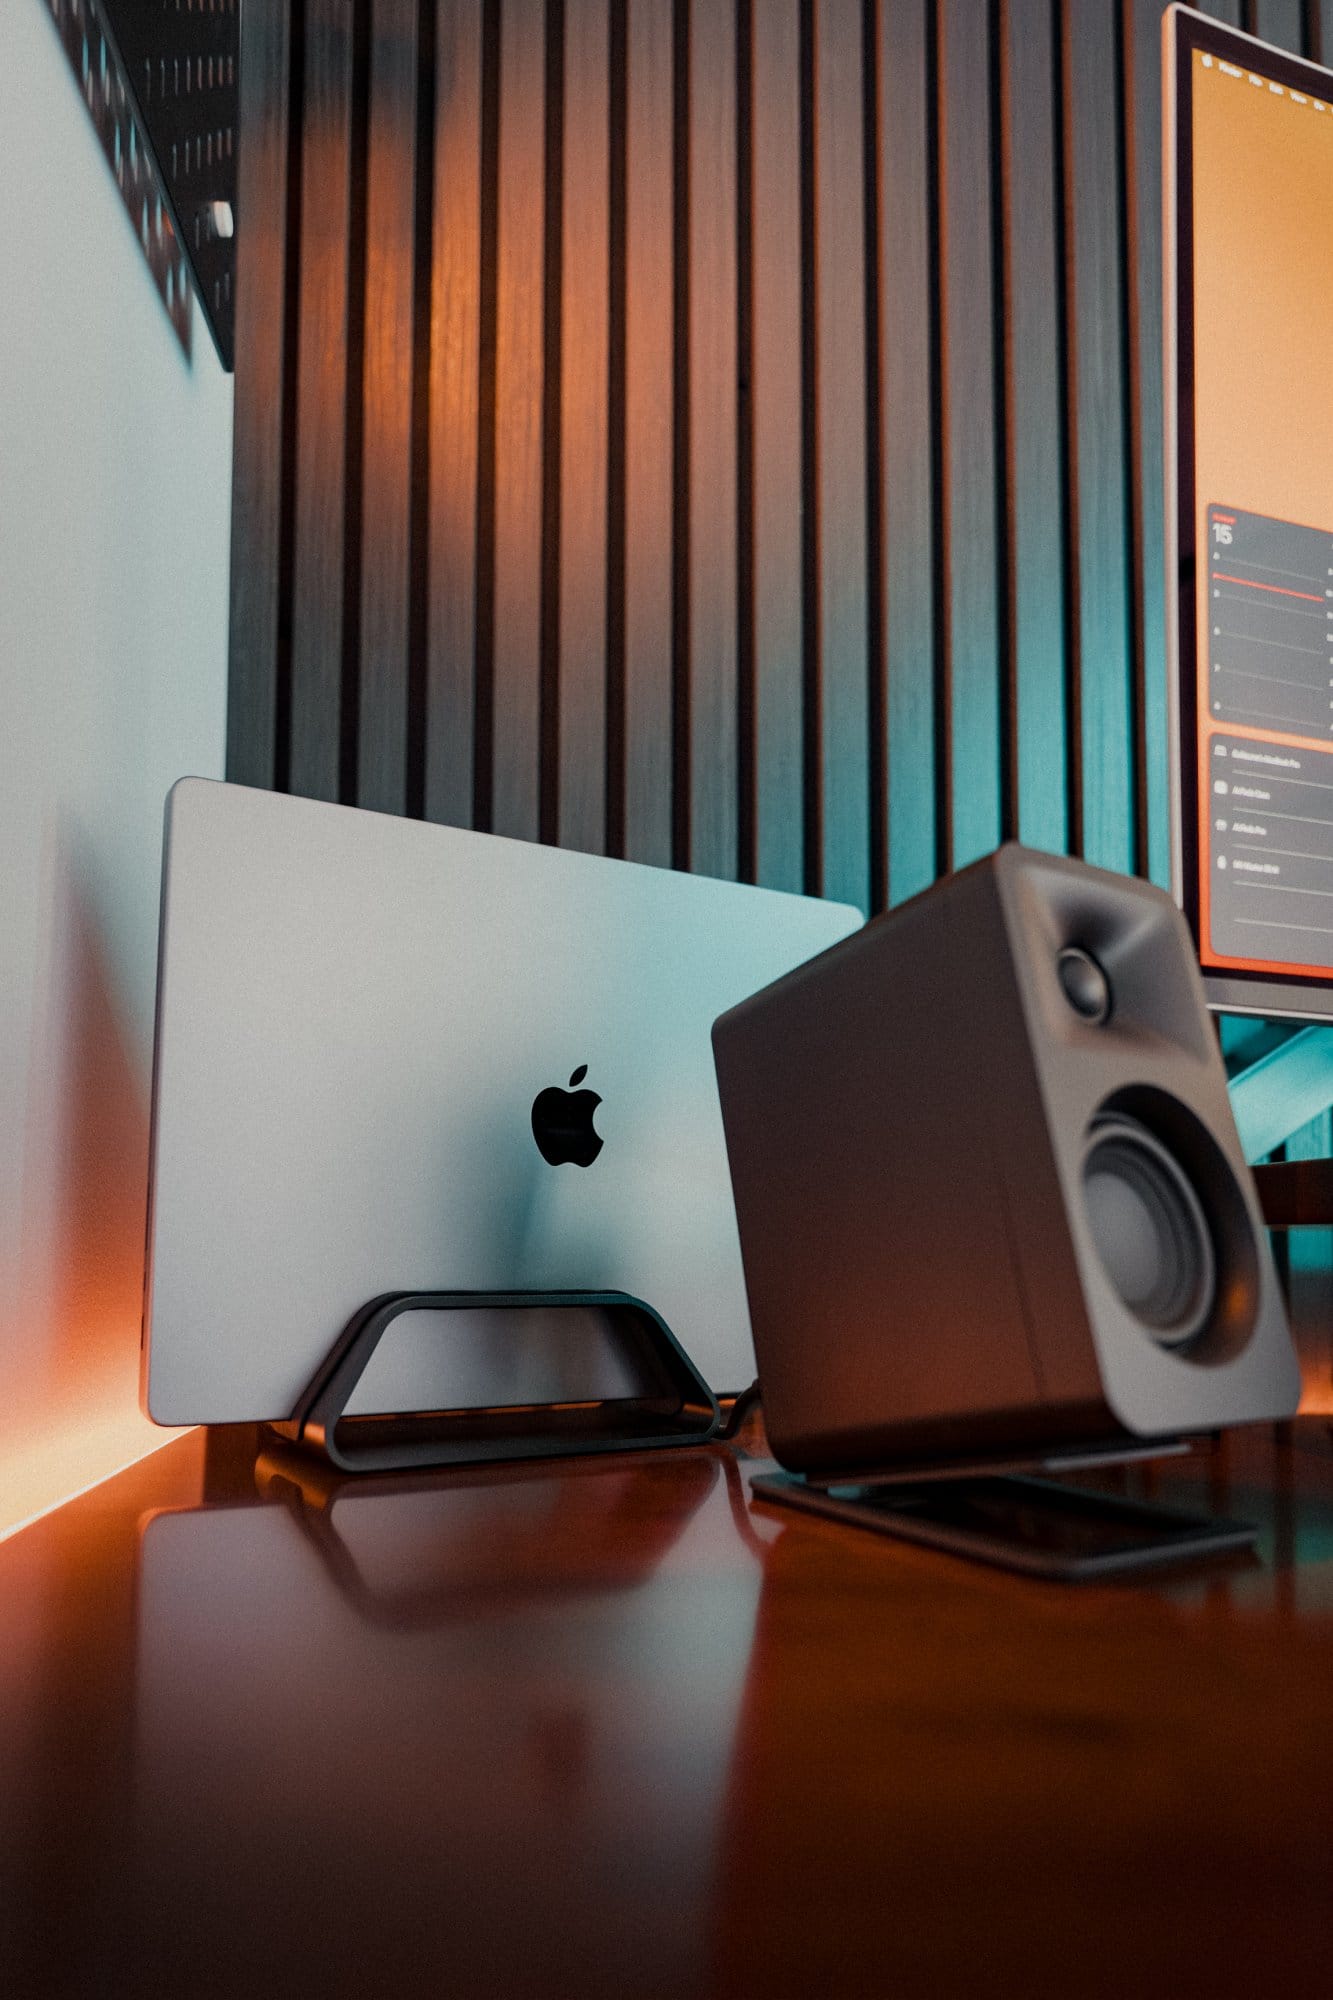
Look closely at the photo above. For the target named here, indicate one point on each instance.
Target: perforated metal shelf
(159, 80)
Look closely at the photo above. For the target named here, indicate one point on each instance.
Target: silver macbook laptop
(393, 1056)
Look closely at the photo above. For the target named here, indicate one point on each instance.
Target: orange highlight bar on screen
(1279, 590)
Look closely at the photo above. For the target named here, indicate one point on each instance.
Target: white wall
(115, 473)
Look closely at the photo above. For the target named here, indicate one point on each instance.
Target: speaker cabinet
(990, 1193)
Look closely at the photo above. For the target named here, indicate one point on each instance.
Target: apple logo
(562, 1123)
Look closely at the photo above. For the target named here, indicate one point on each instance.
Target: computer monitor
(1248, 297)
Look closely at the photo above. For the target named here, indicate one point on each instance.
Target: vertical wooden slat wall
(579, 721)
(707, 436)
(725, 433)
(262, 435)
(771, 633)
(454, 396)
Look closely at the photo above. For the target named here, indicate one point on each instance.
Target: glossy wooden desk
(608, 1729)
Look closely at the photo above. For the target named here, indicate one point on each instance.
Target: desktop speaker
(991, 1198)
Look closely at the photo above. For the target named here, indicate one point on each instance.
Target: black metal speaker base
(1053, 1460)
(1039, 1527)
(674, 1406)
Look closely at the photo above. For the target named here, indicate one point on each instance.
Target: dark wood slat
(1309, 1251)
(321, 462)
(1033, 473)
(1143, 165)
(972, 636)
(1319, 31)
(1297, 1193)
(454, 414)
(585, 361)
(257, 436)
(840, 499)
(387, 409)
(775, 400)
(712, 440)
(519, 366)
(1096, 416)
(648, 434)
(1281, 22)
(907, 454)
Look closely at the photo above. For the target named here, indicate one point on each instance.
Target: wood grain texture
(387, 408)
(519, 389)
(1098, 429)
(1309, 1259)
(584, 392)
(1033, 470)
(908, 417)
(649, 410)
(712, 442)
(774, 336)
(1000, 1888)
(650, 598)
(455, 414)
(841, 715)
(1319, 31)
(261, 333)
(832, 549)
(321, 378)
(616, 1728)
(972, 635)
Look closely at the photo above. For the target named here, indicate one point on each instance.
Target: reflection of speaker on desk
(990, 1193)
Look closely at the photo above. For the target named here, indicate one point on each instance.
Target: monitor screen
(1249, 295)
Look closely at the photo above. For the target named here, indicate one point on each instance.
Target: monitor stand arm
(1272, 1099)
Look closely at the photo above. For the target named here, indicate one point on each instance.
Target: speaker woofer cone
(1150, 1230)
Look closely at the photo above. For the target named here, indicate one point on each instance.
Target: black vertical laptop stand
(673, 1405)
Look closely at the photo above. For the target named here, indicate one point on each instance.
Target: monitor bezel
(1293, 996)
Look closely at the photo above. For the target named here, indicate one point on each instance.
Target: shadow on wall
(73, 1408)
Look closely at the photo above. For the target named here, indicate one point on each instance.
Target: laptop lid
(395, 1056)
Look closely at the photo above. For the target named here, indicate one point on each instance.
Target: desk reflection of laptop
(316, 1676)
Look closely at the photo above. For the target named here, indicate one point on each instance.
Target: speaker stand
(1016, 1520)
(1074, 1458)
